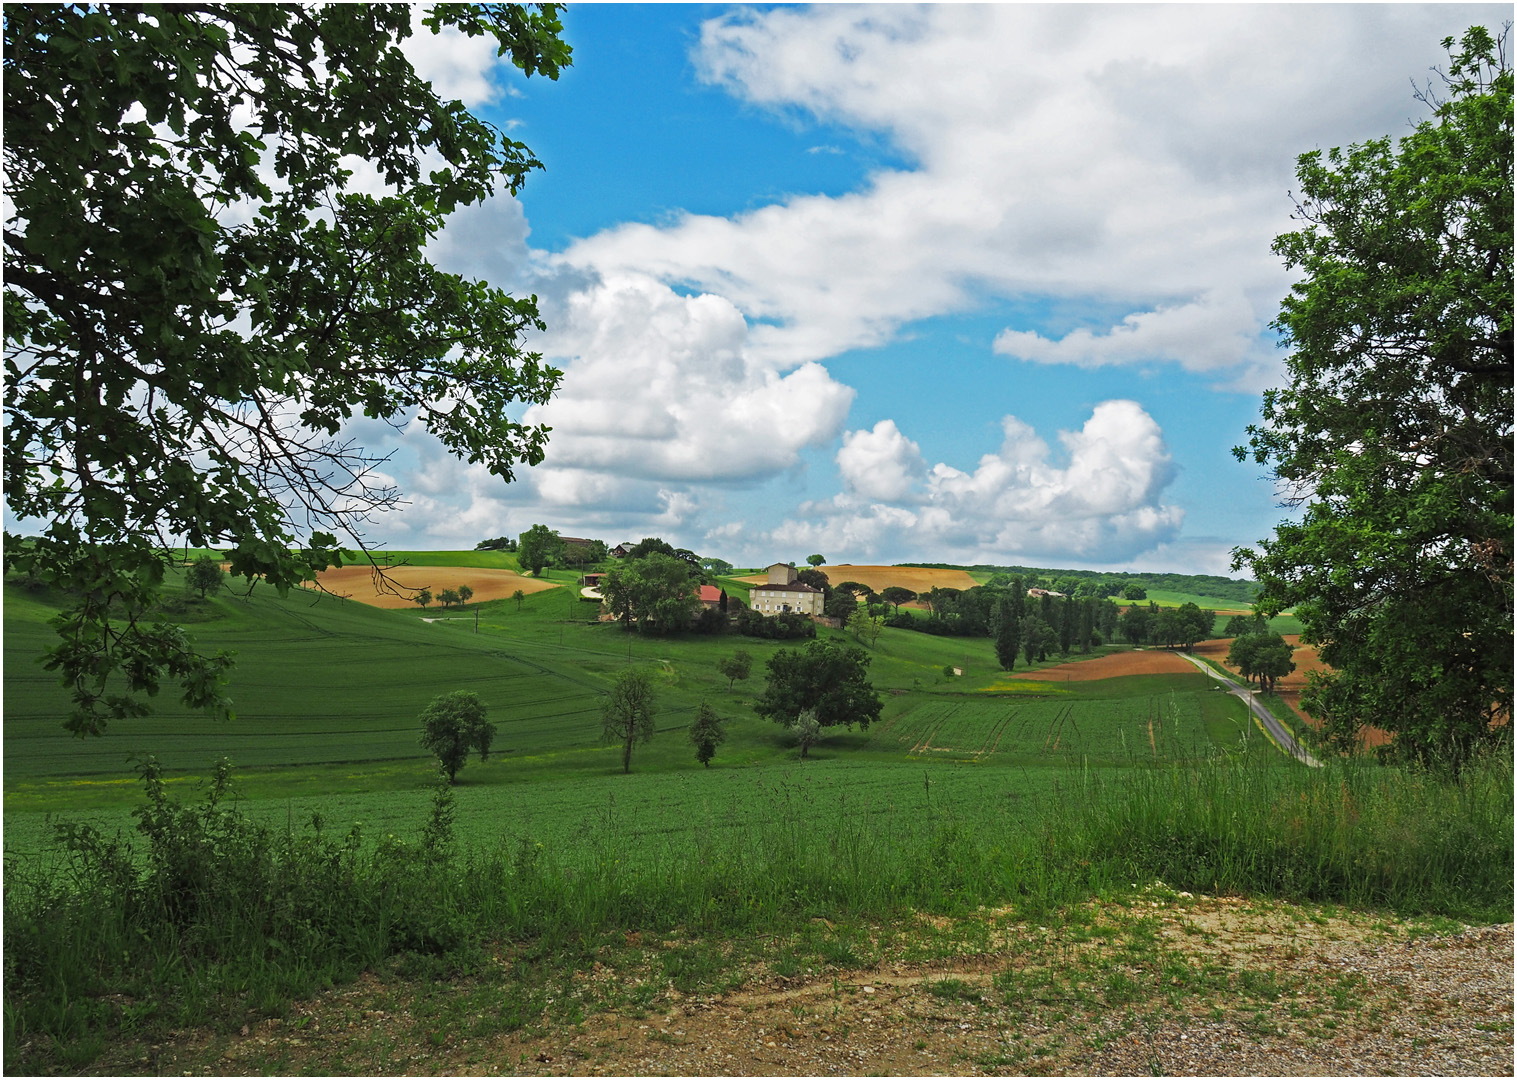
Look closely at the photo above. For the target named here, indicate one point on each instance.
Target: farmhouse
(781, 573)
(784, 594)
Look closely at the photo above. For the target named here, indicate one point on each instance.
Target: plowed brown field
(1138, 662)
(358, 583)
(916, 578)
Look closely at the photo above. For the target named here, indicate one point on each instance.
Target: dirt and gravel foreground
(1172, 984)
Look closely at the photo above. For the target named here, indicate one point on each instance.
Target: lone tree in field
(706, 733)
(1394, 437)
(200, 294)
(465, 594)
(518, 596)
(452, 725)
(628, 712)
(424, 597)
(448, 597)
(826, 676)
(816, 560)
(737, 666)
(205, 574)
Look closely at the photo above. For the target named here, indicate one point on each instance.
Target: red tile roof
(710, 594)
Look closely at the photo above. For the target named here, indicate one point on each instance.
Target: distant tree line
(1108, 583)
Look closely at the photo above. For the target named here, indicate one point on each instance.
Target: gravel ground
(1179, 985)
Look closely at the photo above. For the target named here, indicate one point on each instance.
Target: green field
(336, 852)
(327, 693)
(1105, 725)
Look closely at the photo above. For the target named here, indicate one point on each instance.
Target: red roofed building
(711, 597)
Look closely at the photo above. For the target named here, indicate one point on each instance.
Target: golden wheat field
(917, 579)
(359, 583)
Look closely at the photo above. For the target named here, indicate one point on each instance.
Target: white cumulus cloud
(662, 385)
(880, 464)
(1216, 331)
(1104, 504)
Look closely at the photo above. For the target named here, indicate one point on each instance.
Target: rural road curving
(1277, 731)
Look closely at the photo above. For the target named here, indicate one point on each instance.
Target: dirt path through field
(359, 583)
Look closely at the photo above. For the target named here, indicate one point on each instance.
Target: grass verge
(212, 917)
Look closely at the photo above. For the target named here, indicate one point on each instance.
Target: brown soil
(878, 578)
(359, 583)
(1137, 662)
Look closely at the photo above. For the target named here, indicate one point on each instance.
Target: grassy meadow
(328, 847)
(327, 693)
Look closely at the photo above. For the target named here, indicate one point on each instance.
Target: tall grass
(209, 914)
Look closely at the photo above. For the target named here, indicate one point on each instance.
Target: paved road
(1278, 731)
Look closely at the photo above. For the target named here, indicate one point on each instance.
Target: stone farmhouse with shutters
(784, 594)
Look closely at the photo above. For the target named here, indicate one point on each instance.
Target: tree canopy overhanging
(1394, 437)
(199, 295)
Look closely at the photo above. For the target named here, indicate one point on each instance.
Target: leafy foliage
(737, 666)
(781, 627)
(205, 575)
(655, 592)
(827, 676)
(452, 725)
(864, 627)
(807, 730)
(1263, 656)
(1008, 629)
(1394, 436)
(538, 547)
(706, 734)
(186, 335)
(628, 713)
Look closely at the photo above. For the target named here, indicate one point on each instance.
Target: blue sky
(964, 284)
